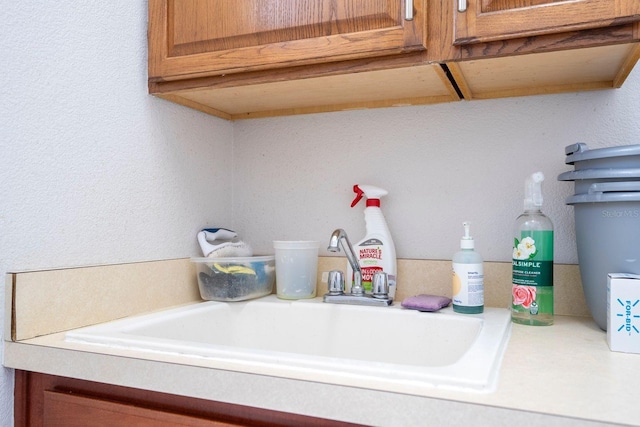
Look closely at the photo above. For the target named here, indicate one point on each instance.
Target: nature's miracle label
(533, 272)
(370, 255)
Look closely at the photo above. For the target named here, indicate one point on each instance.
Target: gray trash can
(607, 221)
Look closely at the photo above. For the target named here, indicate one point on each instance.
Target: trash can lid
(579, 152)
(600, 173)
(606, 192)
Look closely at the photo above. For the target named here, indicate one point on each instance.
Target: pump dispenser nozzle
(467, 241)
(533, 191)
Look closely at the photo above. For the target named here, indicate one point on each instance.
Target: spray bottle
(375, 251)
(532, 278)
(468, 277)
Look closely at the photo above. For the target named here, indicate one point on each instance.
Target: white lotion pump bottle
(376, 251)
(468, 277)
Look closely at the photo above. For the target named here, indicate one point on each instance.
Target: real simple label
(533, 272)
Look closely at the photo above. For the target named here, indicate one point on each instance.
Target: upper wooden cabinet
(488, 20)
(257, 58)
(195, 38)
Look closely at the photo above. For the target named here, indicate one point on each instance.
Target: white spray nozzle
(533, 191)
(467, 241)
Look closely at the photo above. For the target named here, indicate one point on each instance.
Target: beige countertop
(561, 375)
(563, 370)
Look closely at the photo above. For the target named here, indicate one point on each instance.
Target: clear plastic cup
(296, 268)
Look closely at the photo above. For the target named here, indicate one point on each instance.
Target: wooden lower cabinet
(48, 400)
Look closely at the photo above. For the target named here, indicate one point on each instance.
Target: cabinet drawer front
(487, 20)
(193, 38)
(72, 410)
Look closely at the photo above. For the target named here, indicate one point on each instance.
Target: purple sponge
(425, 302)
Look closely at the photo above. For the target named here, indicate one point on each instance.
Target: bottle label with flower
(533, 272)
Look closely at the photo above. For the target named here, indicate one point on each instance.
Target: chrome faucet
(339, 236)
(380, 296)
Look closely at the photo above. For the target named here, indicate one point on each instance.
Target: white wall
(442, 165)
(94, 170)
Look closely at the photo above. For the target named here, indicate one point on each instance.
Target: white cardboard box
(623, 312)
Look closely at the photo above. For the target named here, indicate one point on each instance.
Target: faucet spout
(338, 237)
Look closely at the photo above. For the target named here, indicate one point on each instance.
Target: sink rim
(476, 370)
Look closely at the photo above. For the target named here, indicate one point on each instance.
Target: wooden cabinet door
(487, 20)
(194, 38)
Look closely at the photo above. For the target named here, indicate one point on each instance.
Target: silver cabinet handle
(462, 5)
(408, 13)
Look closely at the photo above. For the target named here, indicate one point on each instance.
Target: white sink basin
(386, 348)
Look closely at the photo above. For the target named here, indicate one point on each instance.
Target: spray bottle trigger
(359, 194)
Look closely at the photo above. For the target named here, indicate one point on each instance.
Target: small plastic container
(296, 268)
(235, 279)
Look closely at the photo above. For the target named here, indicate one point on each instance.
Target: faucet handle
(380, 285)
(336, 282)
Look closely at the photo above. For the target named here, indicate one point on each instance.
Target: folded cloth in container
(222, 243)
(425, 302)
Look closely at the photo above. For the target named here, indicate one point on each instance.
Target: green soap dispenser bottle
(468, 277)
(532, 271)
